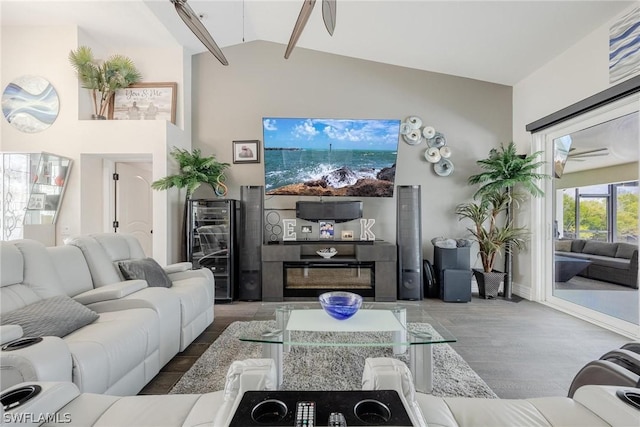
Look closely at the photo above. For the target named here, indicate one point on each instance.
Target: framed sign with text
(145, 101)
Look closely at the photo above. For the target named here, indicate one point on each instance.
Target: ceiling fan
(328, 16)
(193, 22)
(582, 155)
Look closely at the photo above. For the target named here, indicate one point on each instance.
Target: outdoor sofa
(610, 262)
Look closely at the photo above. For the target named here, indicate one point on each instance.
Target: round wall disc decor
(30, 104)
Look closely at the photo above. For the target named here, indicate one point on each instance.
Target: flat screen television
(330, 157)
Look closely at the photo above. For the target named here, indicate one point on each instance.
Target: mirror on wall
(595, 184)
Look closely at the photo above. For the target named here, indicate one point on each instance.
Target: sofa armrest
(180, 266)
(52, 397)
(385, 373)
(10, 333)
(110, 292)
(244, 375)
(47, 360)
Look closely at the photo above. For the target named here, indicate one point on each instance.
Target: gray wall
(229, 103)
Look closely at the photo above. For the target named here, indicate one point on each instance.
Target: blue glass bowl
(340, 305)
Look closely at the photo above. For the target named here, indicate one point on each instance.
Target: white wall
(44, 51)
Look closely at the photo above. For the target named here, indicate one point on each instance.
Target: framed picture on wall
(246, 151)
(145, 101)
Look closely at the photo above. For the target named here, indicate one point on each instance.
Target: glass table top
(378, 324)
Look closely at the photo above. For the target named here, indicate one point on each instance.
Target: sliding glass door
(591, 212)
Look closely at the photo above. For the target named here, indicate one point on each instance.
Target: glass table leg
(401, 335)
(421, 362)
(272, 349)
(282, 319)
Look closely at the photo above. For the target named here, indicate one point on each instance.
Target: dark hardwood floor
(520, 348)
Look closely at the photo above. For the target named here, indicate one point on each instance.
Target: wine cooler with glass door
(211, 241)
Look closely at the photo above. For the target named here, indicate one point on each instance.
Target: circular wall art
(30, 104)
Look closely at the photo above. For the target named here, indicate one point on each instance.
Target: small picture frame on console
(306, 229)
(326, 229)
(346, 235)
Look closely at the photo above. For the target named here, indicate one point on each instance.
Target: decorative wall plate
(443, 168)
(437, 141)
(445, 152)
(30, 104)
(428, 132)
(405, 128)
(413, 138)
(432, 155)
(415, 121)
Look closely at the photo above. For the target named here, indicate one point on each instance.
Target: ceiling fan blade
(198, 29)
(303, 17)
(329, 15)
(595, 150)
(582, 156)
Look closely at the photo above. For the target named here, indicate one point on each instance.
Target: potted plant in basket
(493, 234)
(103, 78)
(505, 171)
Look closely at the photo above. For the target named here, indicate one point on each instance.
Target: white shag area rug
(324, 368)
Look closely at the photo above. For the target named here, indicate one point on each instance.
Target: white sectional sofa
(136, 328)
(59, 403)
(194, 288)
(592, 405)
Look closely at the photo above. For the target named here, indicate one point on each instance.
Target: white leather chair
(592, 405)
(63, 402)
(75, 279)
(116, 354)
(194, 288)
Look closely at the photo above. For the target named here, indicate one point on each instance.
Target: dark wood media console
(368, 259)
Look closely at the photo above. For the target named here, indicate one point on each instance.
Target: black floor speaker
(409, 240)
(250, 243)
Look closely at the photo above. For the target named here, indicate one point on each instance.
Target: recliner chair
(195, 288)
(616, 368)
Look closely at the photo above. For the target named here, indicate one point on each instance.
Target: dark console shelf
(333, 260)
(328, 242)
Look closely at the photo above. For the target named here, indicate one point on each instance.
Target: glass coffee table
(403, 326)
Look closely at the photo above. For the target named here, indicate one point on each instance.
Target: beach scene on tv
(330, 157)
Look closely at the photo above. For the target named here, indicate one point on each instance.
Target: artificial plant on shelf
(195, 170)
(506, 171)
(103, 78)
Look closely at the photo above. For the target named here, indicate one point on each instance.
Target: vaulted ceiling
(495, 41)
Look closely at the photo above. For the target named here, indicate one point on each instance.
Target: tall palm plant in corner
(504, 171)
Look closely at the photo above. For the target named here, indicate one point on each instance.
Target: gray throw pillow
(563, 245)
(145, 269)
(57, 316)
(600, 248)
(626, 250)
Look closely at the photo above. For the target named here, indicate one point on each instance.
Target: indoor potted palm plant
(195, 170)
(505, 171)
(494, 233)
(103, 78)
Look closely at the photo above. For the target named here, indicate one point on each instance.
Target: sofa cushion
(600, 248)
(57, 316)
(145, 269)
(626, 250)
(577, 245)
(563, 245)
